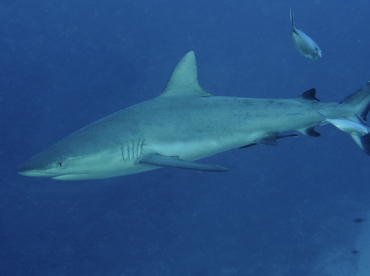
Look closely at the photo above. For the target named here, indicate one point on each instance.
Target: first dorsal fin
(184, 79)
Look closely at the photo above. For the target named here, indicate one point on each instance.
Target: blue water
(277, 211)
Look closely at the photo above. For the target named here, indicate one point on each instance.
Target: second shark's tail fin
(360, 102)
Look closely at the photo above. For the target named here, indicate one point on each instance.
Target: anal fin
(269, 140)
(309, 132)
(176, 162)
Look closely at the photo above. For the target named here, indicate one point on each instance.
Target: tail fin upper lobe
(360, 100)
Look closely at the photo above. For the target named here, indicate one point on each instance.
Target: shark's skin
(182, 125)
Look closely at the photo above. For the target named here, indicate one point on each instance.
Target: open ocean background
(278, 211)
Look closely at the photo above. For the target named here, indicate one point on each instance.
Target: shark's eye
(60, 165)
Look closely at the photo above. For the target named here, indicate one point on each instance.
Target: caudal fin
(360, 102)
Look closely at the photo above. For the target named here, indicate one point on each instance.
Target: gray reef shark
(184, 124)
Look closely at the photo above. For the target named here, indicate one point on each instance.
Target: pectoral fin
(176, 162)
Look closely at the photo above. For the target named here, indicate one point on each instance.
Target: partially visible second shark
(184, 124)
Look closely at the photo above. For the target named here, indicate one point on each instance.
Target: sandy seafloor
(336, 263)
(363, 245)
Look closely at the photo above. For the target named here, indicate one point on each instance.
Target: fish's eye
(60, 165)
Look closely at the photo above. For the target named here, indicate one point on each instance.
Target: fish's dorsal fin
(184, 79)
(292, 17)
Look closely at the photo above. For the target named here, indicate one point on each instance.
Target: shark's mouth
(33, 173)
(71, 177)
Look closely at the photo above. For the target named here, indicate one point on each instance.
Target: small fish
(358, 220)
(303, 43)
(346, 125)
(354, 252)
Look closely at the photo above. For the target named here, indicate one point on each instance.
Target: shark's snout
(33, 167)
(23, 169)
(26, 170)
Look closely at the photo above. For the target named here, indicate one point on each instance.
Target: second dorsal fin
(310, 95)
